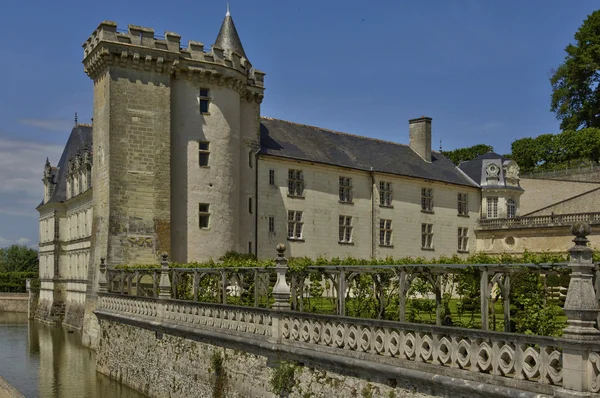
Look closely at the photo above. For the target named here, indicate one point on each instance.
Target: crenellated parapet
(140, 49)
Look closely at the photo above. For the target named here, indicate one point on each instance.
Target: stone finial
(164, 260)
(281, 290)
(581, 305)
(280, 250)
(75, 118)
(102, 280)
(581, 230)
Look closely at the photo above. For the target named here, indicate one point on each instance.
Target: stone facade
(321, 208)
(14, 302)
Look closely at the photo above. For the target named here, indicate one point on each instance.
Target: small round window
(510, 241)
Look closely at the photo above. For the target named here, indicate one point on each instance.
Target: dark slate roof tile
(296, 141)
(80, 137)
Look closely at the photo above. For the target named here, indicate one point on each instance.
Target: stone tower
(174, 136)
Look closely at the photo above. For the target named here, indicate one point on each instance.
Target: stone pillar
(281, 293)
(102, 281)
(164, 286)
(581, 308)
(281, 290)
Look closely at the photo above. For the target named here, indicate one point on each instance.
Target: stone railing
(390, 282)
(591, 168)
(505, 355)
(539, 221)
(520, 365)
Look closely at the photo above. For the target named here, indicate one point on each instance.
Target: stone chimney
(420, 136)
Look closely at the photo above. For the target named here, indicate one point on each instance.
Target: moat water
(43, 361)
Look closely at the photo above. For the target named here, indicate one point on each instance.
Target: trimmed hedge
(14, 282)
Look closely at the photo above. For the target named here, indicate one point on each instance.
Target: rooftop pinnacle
(228, 38)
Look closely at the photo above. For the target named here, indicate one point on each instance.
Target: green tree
(464, 154)
(18, 258)
(575, 84)
(524, 152)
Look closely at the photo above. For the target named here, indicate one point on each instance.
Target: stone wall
(540, 194)
(16, 302)
(178, 367)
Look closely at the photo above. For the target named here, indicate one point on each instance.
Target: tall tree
(575, 84)
(465, 154)
(17, 258)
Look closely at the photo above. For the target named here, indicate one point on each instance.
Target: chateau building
(180, 160)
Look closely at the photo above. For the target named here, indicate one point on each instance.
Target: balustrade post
(223, 287)
(581, 308)
(341, 293)
(281, 290)
(102, 282)
(485, 298)
(404, 285)
(164, 286)
(281, 293)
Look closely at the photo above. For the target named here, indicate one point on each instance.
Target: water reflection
(43, 361)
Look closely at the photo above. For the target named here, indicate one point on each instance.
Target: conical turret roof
(228, 38)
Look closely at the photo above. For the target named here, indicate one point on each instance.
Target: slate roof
(296, 141)
(80, 137)
(473, 168)
(228, 38)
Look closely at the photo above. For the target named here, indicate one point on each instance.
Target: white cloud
(21, 241)
(22, 167)
(49, 124)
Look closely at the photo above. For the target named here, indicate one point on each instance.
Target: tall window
(204, 100)
(511, 208)
(427, 236)
(346, 189)
(385, 193)
(463, 239)
(271, 224)
(345, 229)
(204, 213)
(271, 177)
(295, 183)
(203, 153)
(426, 199)
(385, 232)
(295, 224)
(492, 207)
(463, 204)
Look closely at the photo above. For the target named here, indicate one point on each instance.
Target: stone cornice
(139, 49)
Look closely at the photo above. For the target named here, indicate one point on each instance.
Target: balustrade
(568, 367)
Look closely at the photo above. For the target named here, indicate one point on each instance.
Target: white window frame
(295, 183)
(511, 208)
(271, 224)
(463, 239)
(463, 204)
(295, 225)
(426, 236)
(345, 229)
(492, 206)
(272, 177)
(385, 232)
(427, 200)
(385, 193)
(345, 190)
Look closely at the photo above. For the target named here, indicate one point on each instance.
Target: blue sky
(479, 68)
